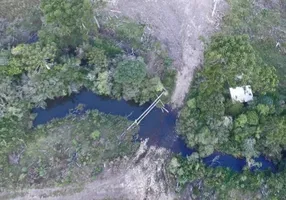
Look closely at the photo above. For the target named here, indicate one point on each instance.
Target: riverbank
(64, 151)
(158, 127)
(182, 28)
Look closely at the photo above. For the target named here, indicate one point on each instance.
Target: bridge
(146, 112)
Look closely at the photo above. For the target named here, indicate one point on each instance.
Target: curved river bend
(159, 127)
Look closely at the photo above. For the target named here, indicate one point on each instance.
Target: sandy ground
(141, 177)
(179, 24)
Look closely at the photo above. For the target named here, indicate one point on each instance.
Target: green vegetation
(210, 120)
(32, 73)
(220, 183)
(29, 58)
(231, 61)
(63, 151)
(131, 81)
(97, 61)
(18, 20)
(68, 23)
(265, 24)
(73, 50)
(250, 50)
(128, 31)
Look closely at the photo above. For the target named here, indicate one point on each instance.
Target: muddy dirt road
(180, 25)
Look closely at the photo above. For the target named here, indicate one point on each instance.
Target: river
(158, 126)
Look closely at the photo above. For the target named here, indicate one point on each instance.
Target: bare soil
(180, 25)
(141, 177)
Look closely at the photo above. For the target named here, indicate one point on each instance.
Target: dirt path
(179, 24)
(140, 177)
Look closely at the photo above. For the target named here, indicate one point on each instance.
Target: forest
(250, 50)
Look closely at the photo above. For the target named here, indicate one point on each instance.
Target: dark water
(159, 127)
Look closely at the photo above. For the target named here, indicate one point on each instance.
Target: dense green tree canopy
(130, 72)
(69, 20)
(29, 57)
(128, 78)
(230, 61)
(97, 58)
(255, 128)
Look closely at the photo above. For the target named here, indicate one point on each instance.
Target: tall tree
(232, 61)
(129, 76)
(68, 22)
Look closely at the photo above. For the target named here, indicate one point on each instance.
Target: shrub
(130, 72)
(241, 120)
(95, 135)
(234, 108)
(252, 118)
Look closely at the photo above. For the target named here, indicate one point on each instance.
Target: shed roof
(241, 94)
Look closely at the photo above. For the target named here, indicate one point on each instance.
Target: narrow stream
(159, 127)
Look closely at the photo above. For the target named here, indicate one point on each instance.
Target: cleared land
(180, 25)
(142, 176)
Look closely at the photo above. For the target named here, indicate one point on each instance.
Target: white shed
(241, 94)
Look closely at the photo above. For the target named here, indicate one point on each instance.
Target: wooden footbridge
(146, 112)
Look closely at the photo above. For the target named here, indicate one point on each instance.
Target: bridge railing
(145, 113)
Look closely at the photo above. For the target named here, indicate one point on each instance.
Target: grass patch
(12, 9)
(252, 18)
(18, 20)
(127, 31)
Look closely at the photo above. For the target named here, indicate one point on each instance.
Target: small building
(241, 94)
